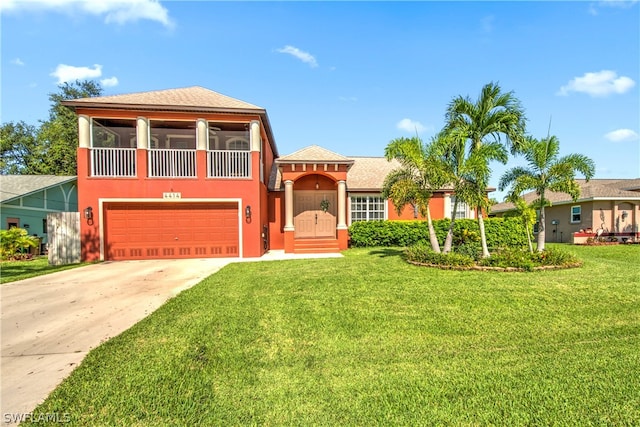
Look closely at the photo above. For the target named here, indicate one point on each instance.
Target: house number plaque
(171, 195)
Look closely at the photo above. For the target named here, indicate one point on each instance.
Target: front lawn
(10, 271)
(372, 340)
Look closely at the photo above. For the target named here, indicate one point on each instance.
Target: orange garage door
(170, 230)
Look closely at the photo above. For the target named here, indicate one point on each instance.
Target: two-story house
(191, 173)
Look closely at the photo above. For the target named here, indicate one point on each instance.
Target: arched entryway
(315, 210)
(315, 200)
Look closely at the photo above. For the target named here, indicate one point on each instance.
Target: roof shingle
(192, 97)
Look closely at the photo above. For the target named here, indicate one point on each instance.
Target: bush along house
(191, 173)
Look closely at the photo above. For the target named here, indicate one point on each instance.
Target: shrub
(557, 257)
(511, 257)
(421, 252)
(15, 243)
(470, 249)
(519, 258)
(501, 232)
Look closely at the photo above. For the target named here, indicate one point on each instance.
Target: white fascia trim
(102, 201)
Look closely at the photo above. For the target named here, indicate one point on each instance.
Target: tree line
(50, 147)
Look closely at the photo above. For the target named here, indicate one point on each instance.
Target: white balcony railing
(170, 163)
(167, 163)
(228, 164)
(118, 162)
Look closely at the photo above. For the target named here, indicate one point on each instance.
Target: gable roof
(594, 189)
(314, 153)
(194, 97)
(15, 186)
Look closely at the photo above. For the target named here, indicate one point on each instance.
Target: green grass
(10, 271)
(371, 340)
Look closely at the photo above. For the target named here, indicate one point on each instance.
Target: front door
(310, 220)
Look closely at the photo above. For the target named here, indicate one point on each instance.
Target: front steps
(316, 246)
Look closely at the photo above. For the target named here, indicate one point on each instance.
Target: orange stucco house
(191, 173)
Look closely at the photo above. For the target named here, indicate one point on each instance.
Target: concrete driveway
(49, 323)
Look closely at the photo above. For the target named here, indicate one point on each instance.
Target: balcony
(170, 163)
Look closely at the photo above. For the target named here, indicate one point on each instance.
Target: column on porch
(201, 148)
(142, 146)
(343, 230)
(84, 145)
(288, 216)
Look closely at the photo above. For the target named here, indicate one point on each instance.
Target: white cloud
(601, 83)
(17, 61)
(114, 11)
(409, 125)
(621, 135)
(303, 56)
(109, 82)
(66, 73)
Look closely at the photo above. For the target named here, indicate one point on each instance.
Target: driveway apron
(49, 323)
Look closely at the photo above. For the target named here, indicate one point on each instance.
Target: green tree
(49, 149)
(58, 136)
(415, 180)
(18, 145)
(493, 116)
(546, 171)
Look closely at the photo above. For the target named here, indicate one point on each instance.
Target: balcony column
(342, 205)
(256, 140)
(142, 133)
(201, 134)
(84, 131)
(288, 205)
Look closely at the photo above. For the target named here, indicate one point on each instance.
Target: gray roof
(14, 186)
(595, 189)
(365, 174)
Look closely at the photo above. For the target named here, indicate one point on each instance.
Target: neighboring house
(25, 200)
(191, 173)
(609, 205)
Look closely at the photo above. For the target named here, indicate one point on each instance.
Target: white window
(576, 214)
(367, 208)
(462, 209)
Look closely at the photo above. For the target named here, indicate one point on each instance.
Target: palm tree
(414, 181)
(492, 116)
(546, 172)
(459, 166)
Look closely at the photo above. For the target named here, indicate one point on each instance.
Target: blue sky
(348, 76)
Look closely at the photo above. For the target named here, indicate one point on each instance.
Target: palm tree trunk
(541, 231)
(483, 237)
(433, 238)
(448, 242)
(526, 226)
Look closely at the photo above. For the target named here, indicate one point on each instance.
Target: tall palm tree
(546, 171)
(493, 116)
(414, 181)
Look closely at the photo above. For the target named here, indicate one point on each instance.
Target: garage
(146, 230)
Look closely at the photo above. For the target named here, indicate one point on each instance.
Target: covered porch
(315, 200)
